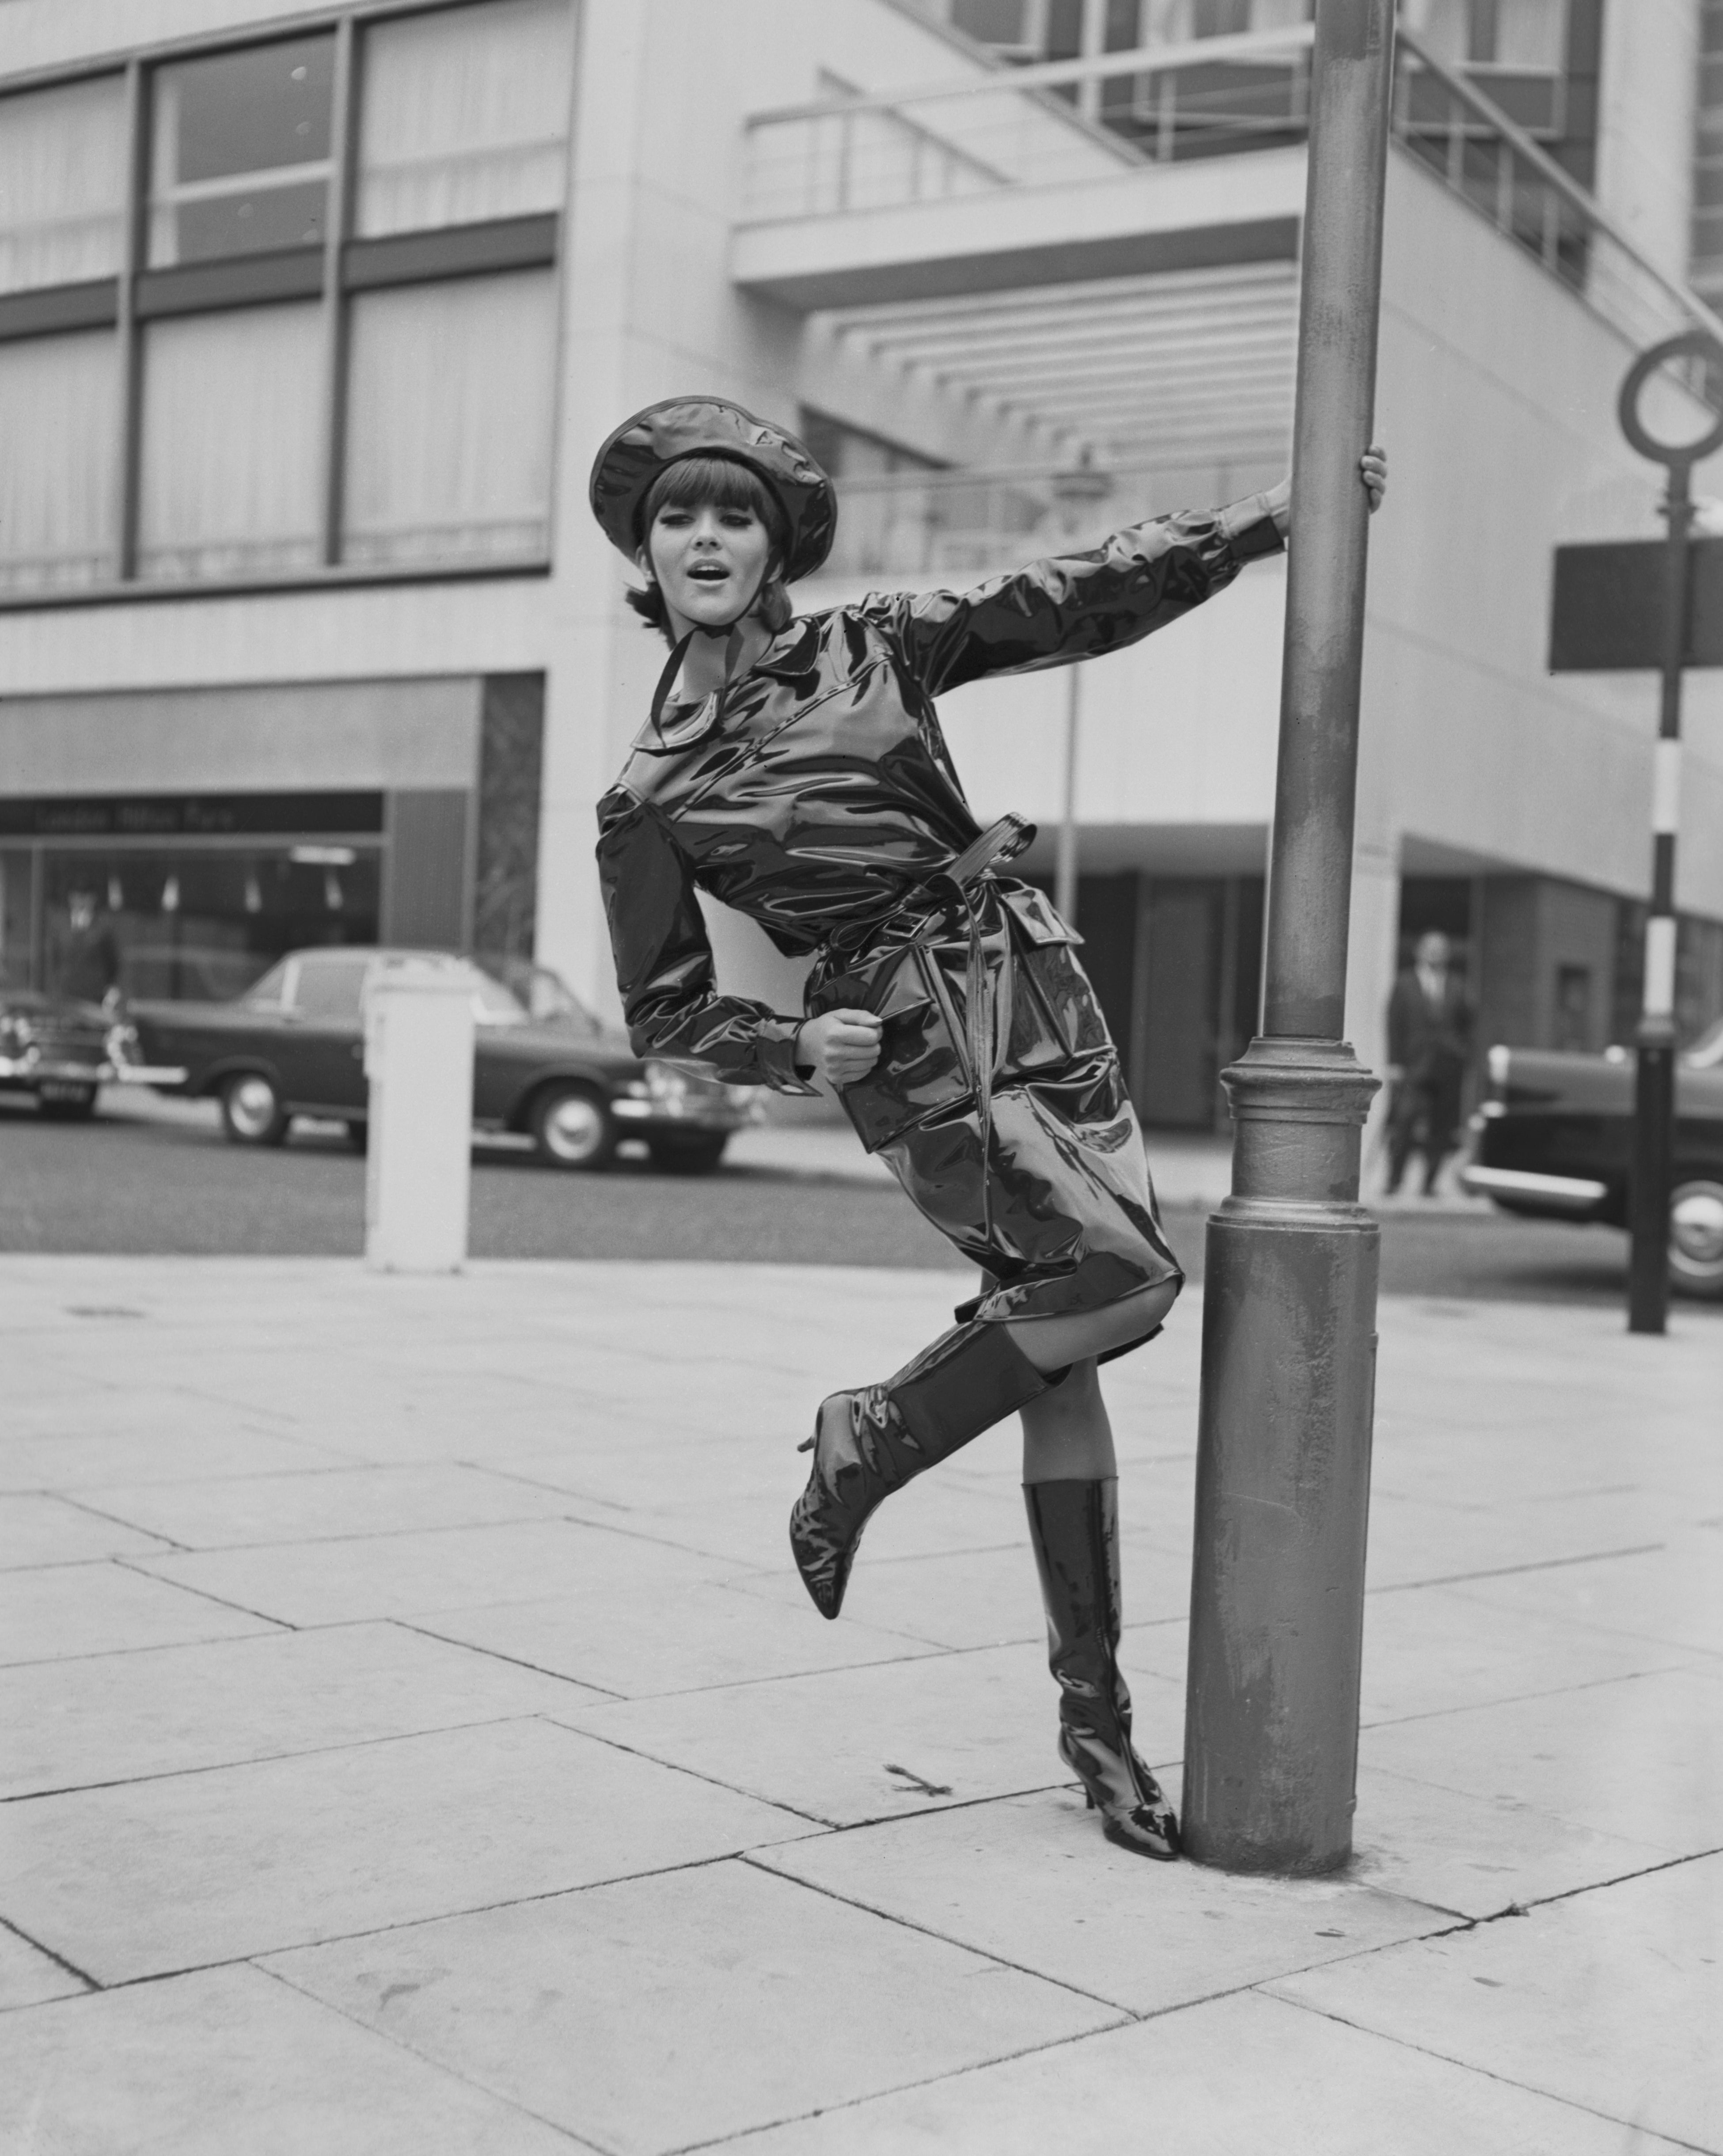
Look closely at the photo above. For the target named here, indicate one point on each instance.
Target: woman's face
(710, 562)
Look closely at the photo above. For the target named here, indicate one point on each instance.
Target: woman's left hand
(1372, 469)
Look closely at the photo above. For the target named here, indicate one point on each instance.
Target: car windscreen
(493, 1004)
(271, 989)
(331, 985)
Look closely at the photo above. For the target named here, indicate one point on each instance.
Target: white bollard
(418, 1057)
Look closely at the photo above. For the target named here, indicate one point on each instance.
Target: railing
(1457, 132)
(1015, 128)
(962, 525)
(994, 131)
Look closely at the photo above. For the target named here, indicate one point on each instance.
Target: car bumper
(694, 1112)
(1577, 1197)
(148, 1073)
(34, 1071)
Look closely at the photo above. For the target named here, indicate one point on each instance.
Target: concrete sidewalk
(419, 1745)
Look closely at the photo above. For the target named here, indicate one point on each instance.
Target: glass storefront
(146, 898)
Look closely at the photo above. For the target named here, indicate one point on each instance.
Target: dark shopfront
(1176, 961)
(197, 896)
(423, 831)
(183, 897)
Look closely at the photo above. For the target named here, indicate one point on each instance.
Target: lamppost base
(1288, 1362)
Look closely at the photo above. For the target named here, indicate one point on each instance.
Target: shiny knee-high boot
(1075, 1527)
(868, 1443)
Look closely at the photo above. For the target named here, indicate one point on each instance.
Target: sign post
(1654, 1080)
(1632, 605)
(1289, 1320)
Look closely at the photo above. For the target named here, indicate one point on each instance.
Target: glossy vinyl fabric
(817, 796)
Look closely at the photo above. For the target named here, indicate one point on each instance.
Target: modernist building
(312, 314)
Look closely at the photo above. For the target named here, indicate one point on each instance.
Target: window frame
(331, 272)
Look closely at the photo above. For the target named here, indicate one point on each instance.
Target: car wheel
(71, 1104)
(1696, 1238)
(359, 1134)
(573, 1128)
(252, 1113)
(688, 1156)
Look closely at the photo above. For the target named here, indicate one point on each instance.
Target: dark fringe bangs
(716, 482)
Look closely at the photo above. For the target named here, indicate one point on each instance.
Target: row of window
(1519, 35)
(256, 417)
(447, 399)
(463, 117)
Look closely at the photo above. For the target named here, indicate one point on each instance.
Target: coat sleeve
(664, 959)
(1076, 606)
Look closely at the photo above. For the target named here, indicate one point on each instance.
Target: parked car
(61, 1051)
(1554, 1141)
(293, 1045)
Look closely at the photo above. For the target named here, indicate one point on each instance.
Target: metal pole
(1289, 1331)
(1654, 1077)
(1064, 882)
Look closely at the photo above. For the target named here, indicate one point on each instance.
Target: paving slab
(322, 1504)
(681, 2011)
(1672, 1596)
(1478, 1855)
(933, 1516)
(162, 1876)
(637, 1640)
(36, 1529)
(231, 2060)
(1611, 2000)
(83, 1458)
(1413, 1540)
(1636, 1757)
(1033, 1881)
(986, 1597)
(27, 1976)
(371, 1576)
(65, 1609)
(1237, 2076)
(175, 1710)
(856, 1744)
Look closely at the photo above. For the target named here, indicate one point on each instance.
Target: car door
(323, 1043)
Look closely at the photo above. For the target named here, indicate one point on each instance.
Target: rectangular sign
(187, 815)
(1608, 615)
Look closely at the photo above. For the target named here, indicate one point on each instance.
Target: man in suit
(1429, 1043)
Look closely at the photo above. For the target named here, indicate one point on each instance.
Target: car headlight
(665, 1082)
(16, 1033)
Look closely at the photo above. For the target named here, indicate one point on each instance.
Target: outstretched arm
(1080, 605)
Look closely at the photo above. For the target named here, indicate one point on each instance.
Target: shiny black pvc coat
(818, 796)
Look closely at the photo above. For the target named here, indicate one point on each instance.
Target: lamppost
(1654, 1077)
(1082, 486)
(1288, 1325)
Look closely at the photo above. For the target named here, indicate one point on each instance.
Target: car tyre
(252, 1113)
(573, 1128)
(1696, 1237)
(70, 1107)
(359, 1134)
(696, 1155)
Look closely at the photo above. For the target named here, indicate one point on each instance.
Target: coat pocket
(1054, 1014)
(924, 1065)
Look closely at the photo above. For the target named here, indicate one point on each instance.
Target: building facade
(311, 316)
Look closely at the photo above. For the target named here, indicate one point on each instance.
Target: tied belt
(961, 889)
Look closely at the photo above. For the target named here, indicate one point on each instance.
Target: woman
(795, 769)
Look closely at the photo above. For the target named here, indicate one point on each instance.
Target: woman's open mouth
(708, 572)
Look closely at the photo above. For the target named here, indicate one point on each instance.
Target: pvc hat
(625, 468)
